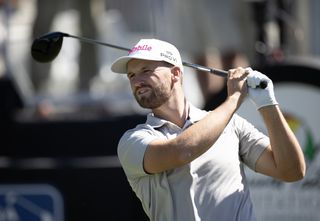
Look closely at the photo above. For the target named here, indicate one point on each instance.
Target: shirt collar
(195, 114)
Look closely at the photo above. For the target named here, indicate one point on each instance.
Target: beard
(157, 97)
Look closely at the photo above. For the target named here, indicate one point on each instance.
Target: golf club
(46, 48)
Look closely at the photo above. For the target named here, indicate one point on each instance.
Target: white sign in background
(278, 201)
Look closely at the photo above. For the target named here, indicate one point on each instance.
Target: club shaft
(206, 69)
(187, 64)
(87, 40)
(198, 67)
(262, 85)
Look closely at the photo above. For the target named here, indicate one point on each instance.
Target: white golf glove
(260, 97)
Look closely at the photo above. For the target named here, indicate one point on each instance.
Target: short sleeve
(252, 142)
(131, 149)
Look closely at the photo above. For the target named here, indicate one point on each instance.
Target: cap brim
(120, 65)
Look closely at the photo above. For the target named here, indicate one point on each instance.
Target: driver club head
(47, 47)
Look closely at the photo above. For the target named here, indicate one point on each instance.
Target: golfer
(187, 164)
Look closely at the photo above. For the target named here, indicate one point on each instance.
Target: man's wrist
(234, 101)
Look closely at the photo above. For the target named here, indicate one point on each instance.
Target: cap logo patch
(168, 55)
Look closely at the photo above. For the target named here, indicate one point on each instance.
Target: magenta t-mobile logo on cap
(140, 48)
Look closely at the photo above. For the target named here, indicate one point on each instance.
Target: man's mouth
(142, 90)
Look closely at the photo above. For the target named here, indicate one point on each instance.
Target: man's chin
(148, 104)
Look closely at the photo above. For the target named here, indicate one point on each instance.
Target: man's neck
(174, 111)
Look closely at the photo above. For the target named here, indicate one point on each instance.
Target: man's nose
(138, 81)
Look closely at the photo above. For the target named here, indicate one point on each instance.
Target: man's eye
(131, 75)
(146, 71)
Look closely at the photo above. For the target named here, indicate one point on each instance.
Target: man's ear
(176, 74)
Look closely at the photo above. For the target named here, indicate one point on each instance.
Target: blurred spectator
(46, 13)
(217, 34)
(10, 100)
(213, 87)
(5, 8)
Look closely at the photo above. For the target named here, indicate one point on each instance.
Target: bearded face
(151, 82)
(153, 96)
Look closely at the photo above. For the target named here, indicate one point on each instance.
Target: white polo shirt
(211, 187)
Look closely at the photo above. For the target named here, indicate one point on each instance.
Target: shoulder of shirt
(138, 127)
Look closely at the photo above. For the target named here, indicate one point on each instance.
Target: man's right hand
(236, 83)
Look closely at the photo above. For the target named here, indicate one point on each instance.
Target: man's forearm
(198, 138)
(287, 153)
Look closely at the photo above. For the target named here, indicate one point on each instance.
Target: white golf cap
(149, 49)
